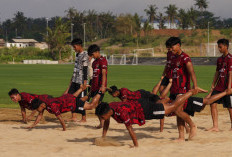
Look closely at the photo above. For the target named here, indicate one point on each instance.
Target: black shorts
(148, 96)
(94, 93)
(189, 112)
(80, 106)
(74, 87)
(226, 100)
(165, 81)
(194, 104)
(153, 110)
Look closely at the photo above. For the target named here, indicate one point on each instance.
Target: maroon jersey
(224, 66)
(129, 95)
(26, 100)
(128, 113)
(179, 72)
(168, 65)
(98, 65)
(65, 103)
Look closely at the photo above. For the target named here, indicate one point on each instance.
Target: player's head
(94, 51)
(14, 95)
(173, 44)
(38, 105)
(114, 91)
(77, 44)
(104, 111)
(223, 45)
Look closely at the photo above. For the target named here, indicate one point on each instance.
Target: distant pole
(72, 38)
(208, 39)
(16, 33)
(84, 33)
(47, 25)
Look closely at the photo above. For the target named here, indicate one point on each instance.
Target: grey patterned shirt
(80, 61)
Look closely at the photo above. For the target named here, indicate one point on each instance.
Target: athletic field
(54, 79)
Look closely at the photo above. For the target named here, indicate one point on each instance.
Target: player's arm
(157, 86)
(132, 135)
(215, 79)
(190, 69)
(105, 127)
(31, 115)
(229, 81)
(166, 90)
(61, 122)
(38, 118)
(23, 112)
(85, 71)
(103, 88)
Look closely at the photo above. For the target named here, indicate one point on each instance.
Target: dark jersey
(179, 72)
(98, 65)
(128, 113)
(129, 95)
(65, 103)
(224, 66)
(26, 100)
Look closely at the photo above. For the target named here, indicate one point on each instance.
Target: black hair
(13, 91)
(102, 109)
(36, 103)
(93, 48)
(76, 41)
(224, 42)
(173, 41)
(113, 89)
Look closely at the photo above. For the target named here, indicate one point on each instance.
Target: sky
(51, 8)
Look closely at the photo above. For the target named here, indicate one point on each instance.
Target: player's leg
(157, 86)
(166, 90)
(161, 125)
(230, 113)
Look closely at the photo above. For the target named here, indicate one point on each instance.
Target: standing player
(222, 81)
(24, 100)
(80, 73)
(181, 71)
(99, 81)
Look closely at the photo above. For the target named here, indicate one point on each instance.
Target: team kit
(171, 96)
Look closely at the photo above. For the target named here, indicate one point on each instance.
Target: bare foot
(179, 140)
(193, 132)
(187, 129)
(82, 121)
(213, 129)
(99, 126)
(200, 90)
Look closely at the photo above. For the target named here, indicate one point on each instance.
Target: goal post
(123, 59)
(144, 52)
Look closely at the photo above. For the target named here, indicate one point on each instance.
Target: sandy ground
(47, 139)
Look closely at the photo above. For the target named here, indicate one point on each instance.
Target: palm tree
(201, 4)
(151, 12)
(171, 11)
(71, 13)
(183, 19)
(192, 14)
(161, 18)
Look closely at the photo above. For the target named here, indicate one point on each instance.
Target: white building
(22, 43)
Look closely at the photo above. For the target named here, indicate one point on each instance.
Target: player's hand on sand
(24, 121)
(30, 127)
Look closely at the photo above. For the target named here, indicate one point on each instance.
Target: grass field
(54, 79)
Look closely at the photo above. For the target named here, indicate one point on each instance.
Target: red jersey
(129, 95)
(26, 100)
(65, 103)
(179, 72)
(224, 66)
(128, 113)
(168, 65)
(98, 65)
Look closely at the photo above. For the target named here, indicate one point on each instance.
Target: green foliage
(227, 32)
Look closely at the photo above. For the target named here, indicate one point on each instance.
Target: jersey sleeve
(186, 59)
(218, 61)
(85, 60)
(229, 64)
(103, 64)
(55, 108)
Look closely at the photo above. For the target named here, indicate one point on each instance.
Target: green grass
(54, 79)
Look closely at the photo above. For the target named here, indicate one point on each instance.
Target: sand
(48, 139)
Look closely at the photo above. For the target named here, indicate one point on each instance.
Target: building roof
(25, 41)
